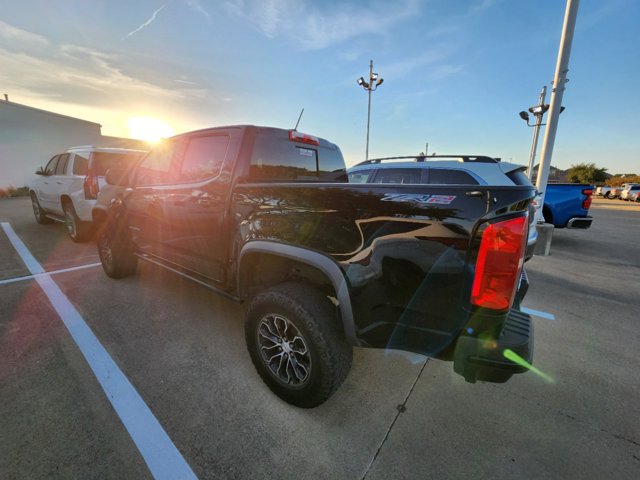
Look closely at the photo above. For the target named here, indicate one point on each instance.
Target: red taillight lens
(91, 187)
(586, 203)
(296, 136)
(499, 264)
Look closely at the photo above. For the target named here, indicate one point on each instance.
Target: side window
(61, 168)
(361, 176)
(155, 169)
(50, 169)
(444, 176)
(399, 175)
(203, 157)
(80, 164)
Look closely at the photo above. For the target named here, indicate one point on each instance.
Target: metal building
(29, 137)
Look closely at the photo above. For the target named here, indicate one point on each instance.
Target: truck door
(195, 207)
(44, 185)
(152, 179)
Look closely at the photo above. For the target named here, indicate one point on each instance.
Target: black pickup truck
(267, 215)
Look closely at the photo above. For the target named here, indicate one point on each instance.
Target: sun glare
(148, 129)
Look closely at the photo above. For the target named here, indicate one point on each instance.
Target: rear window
(519, 177)
(275, 157)
(103, 161)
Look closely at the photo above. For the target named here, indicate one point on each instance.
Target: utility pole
(366, 155)
(536, 130)
(562, 67)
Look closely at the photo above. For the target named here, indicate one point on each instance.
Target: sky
(456, 73)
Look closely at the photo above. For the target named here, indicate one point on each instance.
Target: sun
(148, 129)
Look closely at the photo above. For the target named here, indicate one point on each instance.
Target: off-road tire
(78, 230)
(115, 250)
(38, 212)
(314, 318)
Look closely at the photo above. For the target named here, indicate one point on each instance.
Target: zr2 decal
(425, 199)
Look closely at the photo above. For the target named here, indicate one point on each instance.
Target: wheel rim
(284, 351)
(106, 255)
(70, 222)
(36, 208)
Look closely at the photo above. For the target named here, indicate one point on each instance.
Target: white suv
(67, 187)
(447, 170)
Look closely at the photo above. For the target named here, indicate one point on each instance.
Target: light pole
(370, 86)
(539, 111)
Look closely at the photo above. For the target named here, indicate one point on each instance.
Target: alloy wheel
(284, 351)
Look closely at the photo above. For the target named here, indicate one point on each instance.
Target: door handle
(204, 202)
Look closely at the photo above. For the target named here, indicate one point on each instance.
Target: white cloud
(313, 28)
(145, 24)
(81, 75)
(197, 7)
(19, 36)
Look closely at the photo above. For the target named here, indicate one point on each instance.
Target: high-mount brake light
(499, 264)
(296, 136)
(586, 203)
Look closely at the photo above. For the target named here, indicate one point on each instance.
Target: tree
(618, 180)
(586, 173)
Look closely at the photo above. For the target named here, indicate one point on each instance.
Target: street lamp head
(524, 115)
(379, 82)
(539, 109)
(360, 81)
(374, 76)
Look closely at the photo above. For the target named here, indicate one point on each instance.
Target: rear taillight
(499, 264)
(296, 136)
(91, 187)
(586, 203)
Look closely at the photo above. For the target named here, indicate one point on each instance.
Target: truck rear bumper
(580, 222)
(489, 360)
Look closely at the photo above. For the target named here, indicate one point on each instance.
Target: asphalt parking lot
(182, 348)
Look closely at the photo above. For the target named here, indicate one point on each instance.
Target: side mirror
(43, 172)
(118, 177)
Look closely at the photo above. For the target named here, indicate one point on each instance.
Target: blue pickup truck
(566, 205)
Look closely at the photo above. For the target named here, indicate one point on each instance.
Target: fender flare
(325, 264)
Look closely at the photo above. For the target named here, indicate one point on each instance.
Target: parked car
(267, 215)
(446, 170)
(616, 192)
(603, 192)
(634, 196)
(66, 188)
(566, 205)
(632, 188)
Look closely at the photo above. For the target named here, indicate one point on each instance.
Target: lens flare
(148, 129)
(515, 358)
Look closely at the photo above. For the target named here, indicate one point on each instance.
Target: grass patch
(11, 192)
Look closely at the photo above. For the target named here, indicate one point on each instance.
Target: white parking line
(158, 451)
(51, 272)
(538, 313)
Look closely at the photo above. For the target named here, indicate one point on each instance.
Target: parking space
(182, 348)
